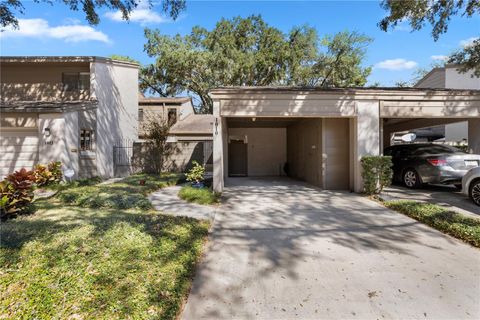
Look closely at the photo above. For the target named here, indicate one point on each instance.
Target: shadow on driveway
(282, 249)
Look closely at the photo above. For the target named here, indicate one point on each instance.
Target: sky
(49, 30)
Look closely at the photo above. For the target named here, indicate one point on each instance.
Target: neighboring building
(190, 135)
(68, 109)
(169, 110)
(193, 135)
(448, 77)
(319, 135)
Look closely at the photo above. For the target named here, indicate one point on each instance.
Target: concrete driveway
(281, 249)
(446, 196)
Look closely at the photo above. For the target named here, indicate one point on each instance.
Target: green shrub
(198, 195)
(48, 174)
(16, 193)
(376, 173)
(197, 173)
(55, 167)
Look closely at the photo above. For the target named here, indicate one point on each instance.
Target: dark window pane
(84, 81)
(70, 81)
(86, 140)
(172, 116)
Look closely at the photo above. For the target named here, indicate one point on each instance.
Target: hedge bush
(376, 173)
(48, 174)
(16, 193)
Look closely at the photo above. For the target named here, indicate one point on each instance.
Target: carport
(321, 134)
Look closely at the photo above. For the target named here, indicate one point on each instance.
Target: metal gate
(122, 158)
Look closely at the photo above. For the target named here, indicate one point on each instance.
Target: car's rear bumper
(441, 175)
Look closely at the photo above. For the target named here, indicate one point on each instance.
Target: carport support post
(367, 133)
(474, 135)
(219, 142)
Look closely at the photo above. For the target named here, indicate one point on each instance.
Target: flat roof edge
(39, 59)
(348, 90)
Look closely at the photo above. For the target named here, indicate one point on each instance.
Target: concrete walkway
(167, 201)
(281, 249)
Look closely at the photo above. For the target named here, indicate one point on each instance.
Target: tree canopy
(438, 14)
(8, 8)
(249, 52)
(123, 58)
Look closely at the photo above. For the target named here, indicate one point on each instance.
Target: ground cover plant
(449, 222)
(126, 194)
(199, 195)
(73, 262)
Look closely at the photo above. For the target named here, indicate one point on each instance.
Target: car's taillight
(437, 162)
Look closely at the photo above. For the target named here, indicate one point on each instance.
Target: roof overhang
(48, 106)
(64, 59)
(343, 102)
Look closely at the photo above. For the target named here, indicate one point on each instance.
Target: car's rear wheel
(411, 179)
(474, 192)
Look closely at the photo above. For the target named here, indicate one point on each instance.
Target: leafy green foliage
(198, 195)
(127, 194)
(8, 201)
(157, 149)
(48, 174)
(438, 15)
(376, 173)
(123, 58)
(55, 167)
(468, 58)
(90, 7)
(78, 263)
(16, 193)
(249, 52)
(452, 223)
(196, 173)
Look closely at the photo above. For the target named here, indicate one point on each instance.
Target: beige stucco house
(190, 134)
(449, 77)
(319, 135)
(167, 109)
(71, 109)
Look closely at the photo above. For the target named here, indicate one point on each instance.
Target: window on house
(76, 81)
(86, 140)
(172, 116)
(140, 115)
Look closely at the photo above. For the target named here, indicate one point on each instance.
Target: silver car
(471, 185)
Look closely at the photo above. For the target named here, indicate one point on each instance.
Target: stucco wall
(38, 81)
(457, 80)
(159, 112)
(267, 149)
(62, 144)
(116, 89)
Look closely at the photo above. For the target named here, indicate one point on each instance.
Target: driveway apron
(282, 249)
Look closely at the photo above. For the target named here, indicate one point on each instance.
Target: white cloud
(143, 14)
(40, 29)
(396, 64)
(439, 57)
(468, 42)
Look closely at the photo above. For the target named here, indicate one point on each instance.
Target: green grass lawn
(107, 258)
(199, 195)
(452, 223)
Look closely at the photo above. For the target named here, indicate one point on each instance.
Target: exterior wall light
(46, 132)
